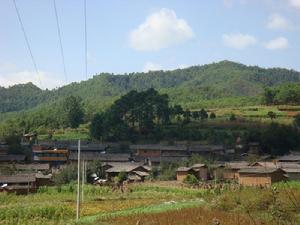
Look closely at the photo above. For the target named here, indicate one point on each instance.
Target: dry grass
(191, 216)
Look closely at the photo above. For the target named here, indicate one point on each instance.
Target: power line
(60, 41)
(85, 39)
(27, 41)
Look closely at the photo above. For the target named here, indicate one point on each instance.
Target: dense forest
(282, 94)
(219, 84)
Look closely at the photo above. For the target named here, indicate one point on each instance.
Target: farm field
(155, 203)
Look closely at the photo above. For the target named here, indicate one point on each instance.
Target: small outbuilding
(182, 172)
(201, 171)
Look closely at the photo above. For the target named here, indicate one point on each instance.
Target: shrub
(191, 179)
(122, 176)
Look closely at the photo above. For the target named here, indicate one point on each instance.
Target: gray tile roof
(184, 169)
(126, 167)
(12, 158)
(159, 147)
(259, 170)
(35, 166)
(237, 165)
(17, 178)
(91, 156)
(290, 157)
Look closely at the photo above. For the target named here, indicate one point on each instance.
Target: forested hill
(189, 87)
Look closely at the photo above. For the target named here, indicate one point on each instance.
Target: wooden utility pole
(78, 184)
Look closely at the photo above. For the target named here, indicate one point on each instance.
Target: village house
(96, 156)
(52, 156)
(182, 172)
(217, 171)
(112, 170)
(88, 147)
(292, 173)
(158, 150)
(201, 171)
(231, 170)
(156, 161)
(18, 183)
(206, 150)
(260, 176)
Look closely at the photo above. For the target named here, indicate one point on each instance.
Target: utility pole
(83, 179)
(78, 184)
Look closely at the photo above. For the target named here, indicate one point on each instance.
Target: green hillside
(218, 84)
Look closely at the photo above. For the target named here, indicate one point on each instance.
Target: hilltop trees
(136, 111)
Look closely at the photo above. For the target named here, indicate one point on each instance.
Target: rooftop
(290, 157)
(184, 169)
(126, 167)
(259, 170)
(17, 178)
(159, 147)
(91, 156)
(11, 158)
(35, 166)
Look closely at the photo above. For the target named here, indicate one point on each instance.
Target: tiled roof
(10, 158)
(291, 157)
(159, 147)
(184, 169)
(36, 166)
(126, 167)
(259, 170)
(237, 165)
(198, 165)
(205, 148)
(91, 156)
(17, 178)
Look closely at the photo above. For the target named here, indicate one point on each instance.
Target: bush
(122, 176)
(67, 175)
(191, 179)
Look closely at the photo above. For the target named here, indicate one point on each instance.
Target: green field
(155, 203)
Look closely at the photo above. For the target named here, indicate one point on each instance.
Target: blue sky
(139, 35)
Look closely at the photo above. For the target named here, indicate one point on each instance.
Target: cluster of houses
(261, 173)
(47, 158)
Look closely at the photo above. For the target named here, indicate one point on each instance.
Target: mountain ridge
(224, 79)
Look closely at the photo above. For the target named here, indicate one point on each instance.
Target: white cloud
(10, 75)
(238, 40)
(277, 43)
(160, 30)
(278, 22)
(151, 66)
(295, 3)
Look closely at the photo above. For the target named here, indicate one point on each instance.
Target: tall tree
(73, 110)
(203, 114)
